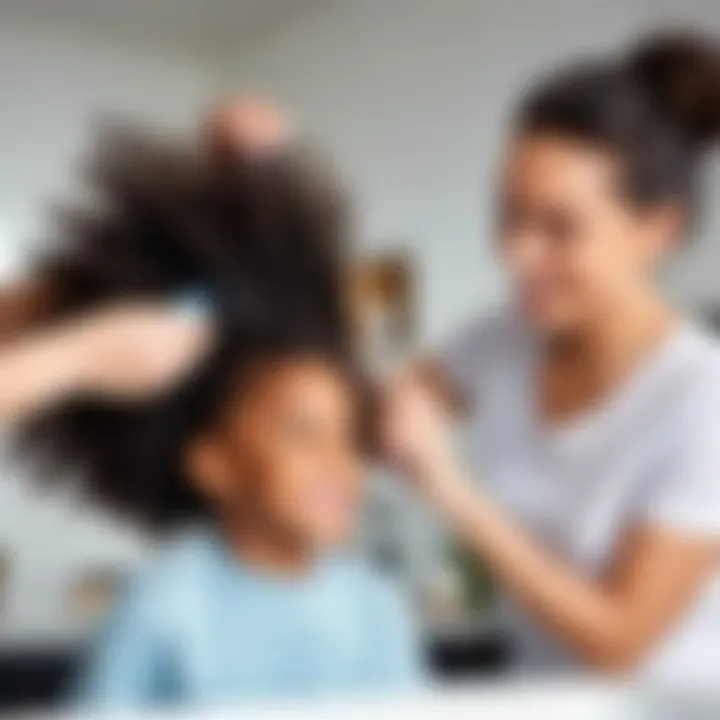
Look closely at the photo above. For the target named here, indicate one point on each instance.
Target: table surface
(506, 701)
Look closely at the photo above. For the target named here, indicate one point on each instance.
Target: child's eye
(300, 426)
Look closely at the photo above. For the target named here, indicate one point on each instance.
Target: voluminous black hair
(658, 108)
(263, 238)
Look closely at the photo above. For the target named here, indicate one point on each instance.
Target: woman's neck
(619, 335)
(585, 366)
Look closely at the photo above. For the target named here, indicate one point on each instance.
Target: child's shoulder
(382, 610)
(177, 567)
(366, 582)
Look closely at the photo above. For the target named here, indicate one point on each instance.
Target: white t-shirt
(649, 454)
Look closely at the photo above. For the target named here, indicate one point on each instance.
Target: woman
(601, 513)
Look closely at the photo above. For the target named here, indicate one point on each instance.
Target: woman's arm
(609, 623)
(123, 351)
(430, 374)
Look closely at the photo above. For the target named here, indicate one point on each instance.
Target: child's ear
(206, 467)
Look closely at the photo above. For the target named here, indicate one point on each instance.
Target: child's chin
(331, 536)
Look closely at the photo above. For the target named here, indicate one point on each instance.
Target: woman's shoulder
(686, 398)
(699, 363)
(683, 489)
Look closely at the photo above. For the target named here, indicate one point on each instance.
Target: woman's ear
(666, 224)
(206, 467)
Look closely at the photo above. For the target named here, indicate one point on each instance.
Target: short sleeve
(685, 490)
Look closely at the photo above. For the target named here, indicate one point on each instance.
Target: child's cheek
(322, 509)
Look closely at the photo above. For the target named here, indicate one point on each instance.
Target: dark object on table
(463, 656)
(35, 677)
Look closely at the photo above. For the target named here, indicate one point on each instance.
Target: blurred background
(409, 97)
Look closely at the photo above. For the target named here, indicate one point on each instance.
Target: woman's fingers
(246, 124)
(413, 427)
(137, 349)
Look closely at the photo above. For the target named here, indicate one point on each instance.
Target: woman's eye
(559, 228)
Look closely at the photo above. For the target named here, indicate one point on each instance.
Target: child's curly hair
(264, 238)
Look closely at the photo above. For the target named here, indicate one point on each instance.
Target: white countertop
(491, 701)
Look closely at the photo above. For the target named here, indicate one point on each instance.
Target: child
(256, 455)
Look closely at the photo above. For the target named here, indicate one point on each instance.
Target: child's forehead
(279, 376)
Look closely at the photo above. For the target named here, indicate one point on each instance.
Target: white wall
(52, 88)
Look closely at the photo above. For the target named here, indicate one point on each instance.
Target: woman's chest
(575, 492)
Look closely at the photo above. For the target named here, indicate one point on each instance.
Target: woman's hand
(121, 351)
(245, 124)
(137, 349)
(415, 434)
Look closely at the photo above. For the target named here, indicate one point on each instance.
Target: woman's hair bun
(682, 73)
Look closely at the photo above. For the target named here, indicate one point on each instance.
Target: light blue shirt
(200, 628)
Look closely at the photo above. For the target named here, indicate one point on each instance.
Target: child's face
(284, 457)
